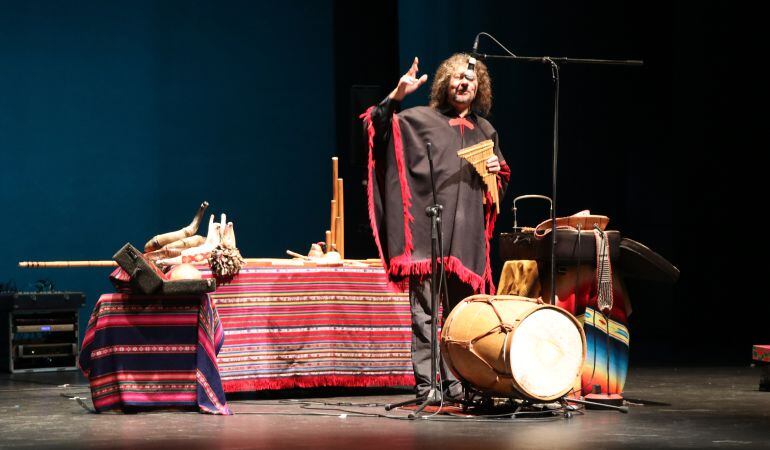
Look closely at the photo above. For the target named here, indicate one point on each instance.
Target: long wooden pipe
(334, 205)
(65, 264)
(108, 263)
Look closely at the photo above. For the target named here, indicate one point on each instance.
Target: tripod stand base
(604, 399)
(433, 397)
(592, 404)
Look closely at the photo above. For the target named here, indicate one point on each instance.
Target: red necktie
(462, 122)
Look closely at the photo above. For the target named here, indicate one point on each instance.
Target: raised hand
(408, 82)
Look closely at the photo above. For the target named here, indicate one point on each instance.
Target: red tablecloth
(312, 326)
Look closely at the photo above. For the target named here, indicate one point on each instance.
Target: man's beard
(466, 100)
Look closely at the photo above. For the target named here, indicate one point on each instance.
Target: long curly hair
(482, 104)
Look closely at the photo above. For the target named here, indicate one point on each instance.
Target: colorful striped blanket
(141, 352)
(293, 327)
(577, 290)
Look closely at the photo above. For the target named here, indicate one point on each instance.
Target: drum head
(546, 354)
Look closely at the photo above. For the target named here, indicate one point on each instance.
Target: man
(399, 190)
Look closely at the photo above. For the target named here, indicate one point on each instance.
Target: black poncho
(399, 190)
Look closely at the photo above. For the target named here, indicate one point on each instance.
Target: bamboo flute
(340, 218)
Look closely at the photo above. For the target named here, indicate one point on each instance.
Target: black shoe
(457, 397)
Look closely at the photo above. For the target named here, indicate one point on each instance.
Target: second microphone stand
(554, 64)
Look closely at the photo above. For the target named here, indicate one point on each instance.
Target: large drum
(514, 347)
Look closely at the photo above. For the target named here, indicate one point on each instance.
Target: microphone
(430, 210)
(470, 72)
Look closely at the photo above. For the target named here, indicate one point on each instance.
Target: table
(298, 327)
(761, 356)
(149, 352)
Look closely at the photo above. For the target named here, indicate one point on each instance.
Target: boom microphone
(470, 72)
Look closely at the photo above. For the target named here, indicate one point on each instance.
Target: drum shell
(485, 364)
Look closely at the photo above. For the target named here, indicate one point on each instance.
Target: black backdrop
(671, 151)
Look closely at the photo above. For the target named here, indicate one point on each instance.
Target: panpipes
(477, 156)
(335, 235)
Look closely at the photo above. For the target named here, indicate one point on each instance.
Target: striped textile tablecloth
(288, 327)
(148, 352)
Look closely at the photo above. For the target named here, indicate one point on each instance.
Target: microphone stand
(437, 274)
(554, 62)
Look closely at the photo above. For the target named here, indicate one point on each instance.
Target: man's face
(461, 91)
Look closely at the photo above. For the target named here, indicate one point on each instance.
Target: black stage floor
(685, 407)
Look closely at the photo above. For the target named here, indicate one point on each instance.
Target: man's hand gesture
(409, 82)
